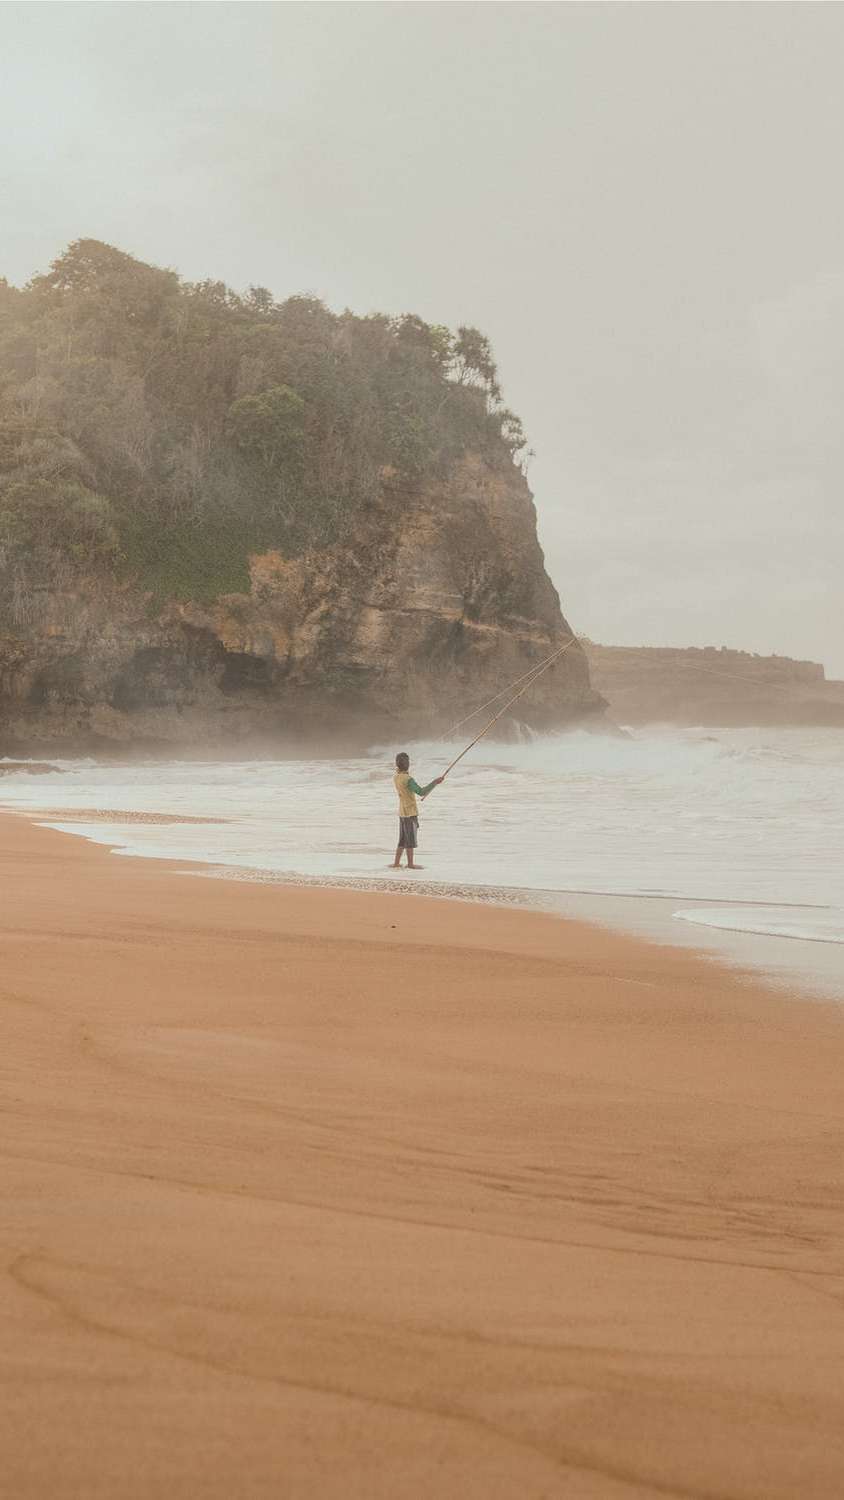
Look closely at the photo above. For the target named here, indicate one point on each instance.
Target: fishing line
(532, 671)
(509, 704)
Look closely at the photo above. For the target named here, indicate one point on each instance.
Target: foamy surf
(809, 927)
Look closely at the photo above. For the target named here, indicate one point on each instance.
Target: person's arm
(422, 791)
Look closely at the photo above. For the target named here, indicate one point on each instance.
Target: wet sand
(328, 1194)
(111, 815)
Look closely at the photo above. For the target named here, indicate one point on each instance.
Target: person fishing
(408, 790)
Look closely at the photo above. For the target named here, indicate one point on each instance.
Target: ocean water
(729, 831)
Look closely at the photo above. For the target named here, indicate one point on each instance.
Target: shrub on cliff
(166, 429)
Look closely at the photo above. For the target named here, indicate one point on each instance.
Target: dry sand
(355, 1197)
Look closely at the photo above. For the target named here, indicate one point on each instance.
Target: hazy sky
(642, 205)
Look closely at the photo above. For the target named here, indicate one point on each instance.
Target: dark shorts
(408, 830)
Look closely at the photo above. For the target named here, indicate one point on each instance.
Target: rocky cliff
(436, 601)
(229, 519)
(705, 685)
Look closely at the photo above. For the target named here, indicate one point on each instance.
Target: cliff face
(226, 518)
(437, 600)
(664, 684)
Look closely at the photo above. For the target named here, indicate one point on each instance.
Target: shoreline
(749, 954)
(331, 1194)
(729, 847)
(786, 960)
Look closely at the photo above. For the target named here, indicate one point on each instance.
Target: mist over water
(741, 829)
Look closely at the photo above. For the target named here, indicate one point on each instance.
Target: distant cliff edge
(711, 686)
(226, 520)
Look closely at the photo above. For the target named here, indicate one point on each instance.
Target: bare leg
(410, 865)
(397, 860)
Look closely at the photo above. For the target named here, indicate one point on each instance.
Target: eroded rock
(438, 599)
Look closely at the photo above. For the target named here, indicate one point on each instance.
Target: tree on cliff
(163, 430)
(474, 363)
(270, 425)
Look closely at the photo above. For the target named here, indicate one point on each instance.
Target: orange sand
(353, 1197)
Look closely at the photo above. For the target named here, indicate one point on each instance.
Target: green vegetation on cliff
(161, 430)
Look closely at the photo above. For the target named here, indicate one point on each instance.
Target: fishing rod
(509, 704)
(535, 670)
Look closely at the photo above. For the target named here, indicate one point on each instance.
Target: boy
(408, 811)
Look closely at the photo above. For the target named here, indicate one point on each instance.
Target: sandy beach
(316, 1194)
